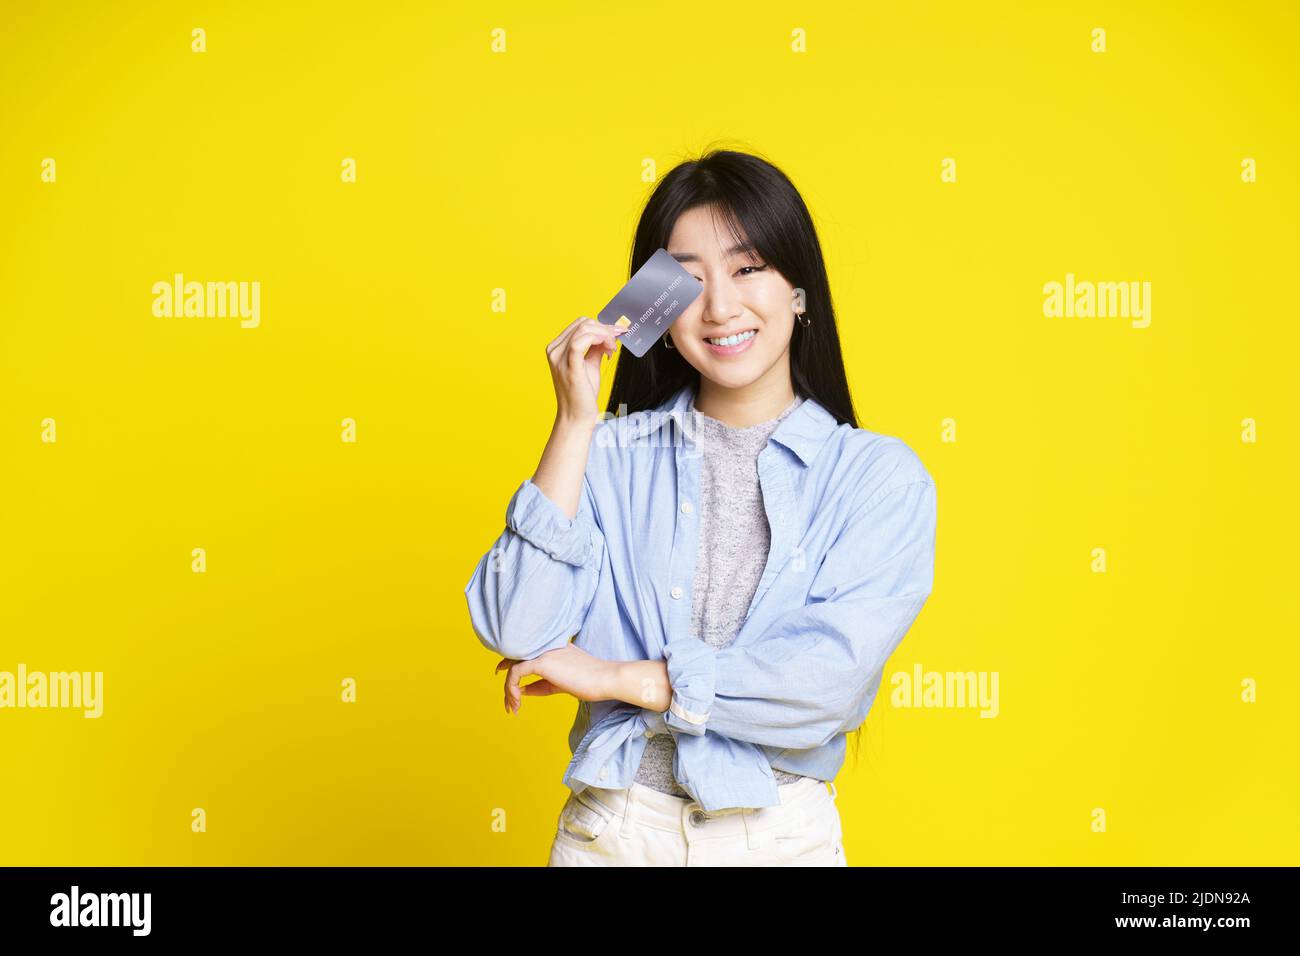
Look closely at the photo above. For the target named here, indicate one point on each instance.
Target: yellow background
(522, 171)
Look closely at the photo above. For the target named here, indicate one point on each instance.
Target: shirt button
(697, 818)
(603, 773)
(687, 507)
(676, 593)
(649, 733)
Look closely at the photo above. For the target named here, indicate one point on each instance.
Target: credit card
(656, 295)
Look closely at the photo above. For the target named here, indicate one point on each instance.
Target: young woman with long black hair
(737, 558)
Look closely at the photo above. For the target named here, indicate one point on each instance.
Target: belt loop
(831, 784)
(752, 836)
(625, 830)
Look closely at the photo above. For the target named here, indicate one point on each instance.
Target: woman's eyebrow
(734, 250)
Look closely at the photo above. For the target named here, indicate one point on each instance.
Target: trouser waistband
(646, 806)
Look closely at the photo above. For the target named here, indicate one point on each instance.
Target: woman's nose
(721, 301)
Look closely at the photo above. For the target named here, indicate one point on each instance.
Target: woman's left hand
(565, 670)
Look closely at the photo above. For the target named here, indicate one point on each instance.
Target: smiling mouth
(730, 340)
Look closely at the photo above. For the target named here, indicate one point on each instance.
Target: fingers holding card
(647, 305)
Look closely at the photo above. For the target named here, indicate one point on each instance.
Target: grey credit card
(656, 295)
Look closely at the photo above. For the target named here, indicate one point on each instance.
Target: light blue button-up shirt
(852, 517)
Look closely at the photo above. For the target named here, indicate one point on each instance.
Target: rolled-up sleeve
(814, 672)
(691, 673)
(531, 591)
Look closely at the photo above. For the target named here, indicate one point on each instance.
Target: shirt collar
(804, 431)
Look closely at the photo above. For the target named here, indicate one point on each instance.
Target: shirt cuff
(691, 672)
(539, 520)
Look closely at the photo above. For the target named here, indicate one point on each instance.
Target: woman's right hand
(575, 356)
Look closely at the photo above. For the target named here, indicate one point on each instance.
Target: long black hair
(752, 195)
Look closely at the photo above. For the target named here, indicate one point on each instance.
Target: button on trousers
(641, 826)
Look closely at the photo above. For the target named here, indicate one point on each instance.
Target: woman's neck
(743, 407)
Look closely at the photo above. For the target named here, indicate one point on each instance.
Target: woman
(737, 558)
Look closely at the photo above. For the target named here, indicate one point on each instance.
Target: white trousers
(641, 826)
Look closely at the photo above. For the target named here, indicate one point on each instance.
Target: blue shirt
(851, 562)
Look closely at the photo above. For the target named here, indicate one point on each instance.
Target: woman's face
(742, 294)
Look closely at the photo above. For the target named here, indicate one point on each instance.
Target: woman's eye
(740, 271)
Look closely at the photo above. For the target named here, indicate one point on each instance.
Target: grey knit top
(734, 542)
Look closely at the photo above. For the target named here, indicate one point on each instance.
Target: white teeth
(732, 339)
